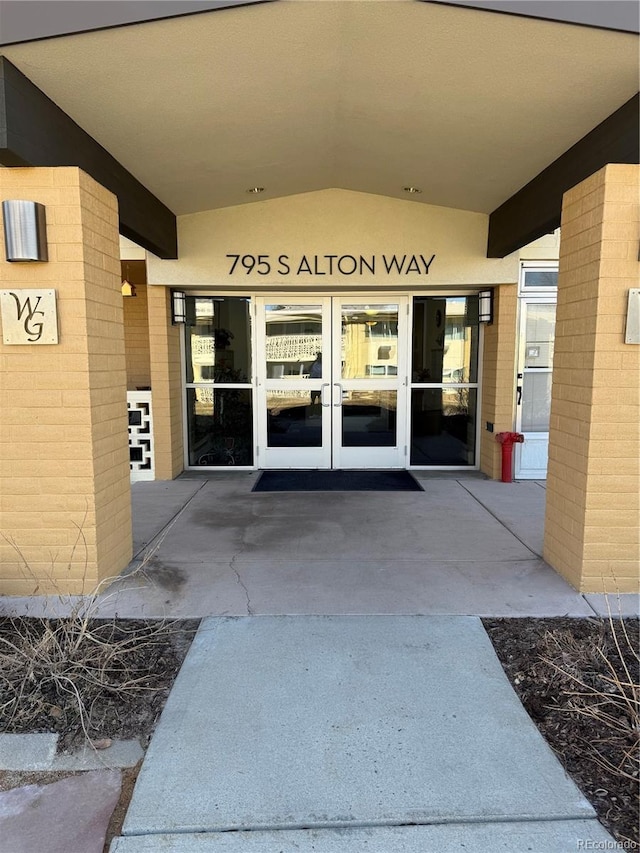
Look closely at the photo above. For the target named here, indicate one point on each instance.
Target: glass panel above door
(218, 339)
(445, 339)
(540, 279)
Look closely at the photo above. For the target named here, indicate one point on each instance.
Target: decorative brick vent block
(141, 464)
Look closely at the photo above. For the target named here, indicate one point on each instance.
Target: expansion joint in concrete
(499, 520)
(160, 536)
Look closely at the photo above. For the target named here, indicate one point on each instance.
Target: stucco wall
(546, 248)
(337, 222)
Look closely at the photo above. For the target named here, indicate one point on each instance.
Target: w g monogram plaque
(29, 316)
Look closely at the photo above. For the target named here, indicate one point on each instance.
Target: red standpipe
(507, 440)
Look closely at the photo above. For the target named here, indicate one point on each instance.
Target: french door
(331, 382)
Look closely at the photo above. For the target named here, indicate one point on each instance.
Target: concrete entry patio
(208, 545)
(465, 545)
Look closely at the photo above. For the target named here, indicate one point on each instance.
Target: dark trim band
(536, 208)
(36, 132)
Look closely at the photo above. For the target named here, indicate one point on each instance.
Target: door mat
(336, 481)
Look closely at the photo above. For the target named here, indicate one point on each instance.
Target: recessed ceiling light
(412, 190)
(255, 190)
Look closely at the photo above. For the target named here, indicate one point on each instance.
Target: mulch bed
(565, 672)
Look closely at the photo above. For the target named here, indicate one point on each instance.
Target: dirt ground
(95, 679)
(124, 671)
(577, 678)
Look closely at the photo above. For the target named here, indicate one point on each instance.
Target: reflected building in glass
(219, 391)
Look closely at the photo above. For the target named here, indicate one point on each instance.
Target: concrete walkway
(342, 695)
(383, 733)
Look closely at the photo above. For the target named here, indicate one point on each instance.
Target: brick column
(593, 484)
(166, 384)
(64, 471)
(498, 377)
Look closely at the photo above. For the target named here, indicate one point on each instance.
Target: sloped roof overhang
(470, 106)
(535, 209)
(36, 132)
(50, 18)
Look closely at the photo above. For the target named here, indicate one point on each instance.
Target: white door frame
(371, 456)
(292, 457)
(530, 458)
(333, 389)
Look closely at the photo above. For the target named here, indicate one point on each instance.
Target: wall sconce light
(485, 306)
(25, 231)
(178, 307)
(127, 288)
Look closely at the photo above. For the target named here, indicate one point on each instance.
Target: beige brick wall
(592, 528)
(166, 385)
(498, 377)
(136, 339)
(64, 470)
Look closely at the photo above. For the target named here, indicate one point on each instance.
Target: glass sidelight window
(218, 339)
(332, 382)
(219, 394)
(444, 380)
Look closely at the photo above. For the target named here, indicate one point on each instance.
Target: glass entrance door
(331, 382)
(533, 402)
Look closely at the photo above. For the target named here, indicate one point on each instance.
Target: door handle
(519, 395)
(322, 387)
(339, 386)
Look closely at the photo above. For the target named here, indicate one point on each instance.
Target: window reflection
(294, 341)
(294, 418)
(369, 418)
(220, 426)
(445, 339)
(218, 339)
(369, 341)
(443, 426)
